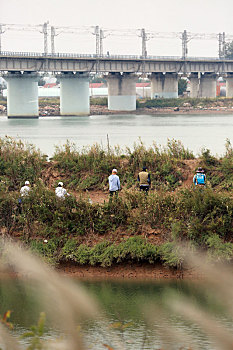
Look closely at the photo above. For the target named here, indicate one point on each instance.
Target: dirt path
(190, 167)
(191, 164)
(51, 177)
(98, 196)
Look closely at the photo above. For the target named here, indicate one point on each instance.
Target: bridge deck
(64, 62)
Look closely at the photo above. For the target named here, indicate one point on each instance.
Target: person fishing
(199, 178)
(144, 180)
(24, 191)
(60, 191)
(114, 183)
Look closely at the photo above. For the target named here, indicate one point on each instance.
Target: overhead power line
(102, 33)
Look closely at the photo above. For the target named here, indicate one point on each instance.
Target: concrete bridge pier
(208, 85)
(121, 92)
(164, 85)
(194, 79)
(74, 94)
(22, 95)
(229, 85)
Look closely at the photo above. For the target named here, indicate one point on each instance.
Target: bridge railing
(110, 57)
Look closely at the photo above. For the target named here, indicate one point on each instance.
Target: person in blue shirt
(114, 183)
(199, 178)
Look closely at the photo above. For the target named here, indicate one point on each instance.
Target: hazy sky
(210, 16)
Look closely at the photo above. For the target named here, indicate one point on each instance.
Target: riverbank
(127, 237)
(103, 110)
(137, 271)
(98, 106)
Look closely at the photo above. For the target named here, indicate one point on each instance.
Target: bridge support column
(164, 85)
(194, 85)
(208, 85)
(74, 94)
(22, 95)
(121, 92)
(229, 85)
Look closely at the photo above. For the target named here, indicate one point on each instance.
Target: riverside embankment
(87, 230)
(51, 106)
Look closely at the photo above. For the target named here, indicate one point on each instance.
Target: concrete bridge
(22, 72)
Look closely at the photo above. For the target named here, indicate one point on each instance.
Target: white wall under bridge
(141, 92)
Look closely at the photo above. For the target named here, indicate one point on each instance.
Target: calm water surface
(195, 131)
(128, 303)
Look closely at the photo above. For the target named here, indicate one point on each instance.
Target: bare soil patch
(137, 271)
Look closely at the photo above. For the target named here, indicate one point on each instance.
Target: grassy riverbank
(131, 228)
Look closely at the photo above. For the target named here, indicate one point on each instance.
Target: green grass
(182, 101)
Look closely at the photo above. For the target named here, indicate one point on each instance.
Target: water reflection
(128, 310)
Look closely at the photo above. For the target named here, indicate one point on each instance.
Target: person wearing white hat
(60, 191)
(114, 183)
(24, 191)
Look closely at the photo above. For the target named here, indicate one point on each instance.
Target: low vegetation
(129, 228)
(186, 102)
(87, 169)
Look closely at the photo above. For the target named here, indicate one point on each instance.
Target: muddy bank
(103, 110)
(132, 271)
(123, 271)
(54, 110)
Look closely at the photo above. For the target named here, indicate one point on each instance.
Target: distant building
(221, 87)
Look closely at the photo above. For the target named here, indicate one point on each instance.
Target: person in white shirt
(60, 191)
(24, 191)
(114, 183)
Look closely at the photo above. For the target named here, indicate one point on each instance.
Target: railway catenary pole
(97, 41)
(1, 32)
(223, 44)
(220, 45)
(144, 40)
(102, 37)
(53, 33)
(97, 47)
(45, 32)
(184, 44)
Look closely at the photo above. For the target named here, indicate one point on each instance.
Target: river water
(134, 305)
(195, 131)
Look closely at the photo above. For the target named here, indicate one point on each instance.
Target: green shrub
(136, 248)
(219, 250)
(48, 251)
(19, 162)
(171, 254)
(105, 253)
(101, 101)
(8, 209)
(219, 171)
(204, 212)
